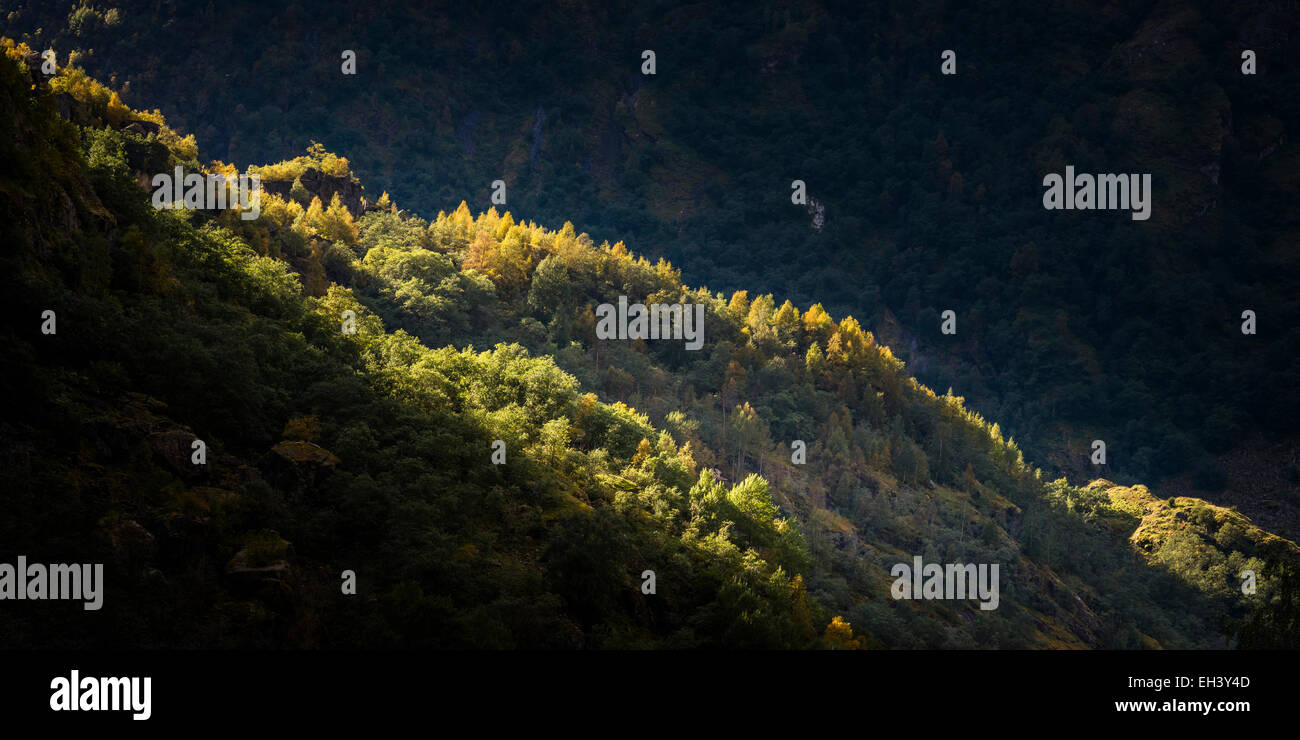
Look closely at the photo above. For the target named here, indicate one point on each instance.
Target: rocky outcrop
(263, 561)
(129, 541)
(142, 127)
(325, 187)
(146, 156)
(174, 448)
(40, 80)
(297, 465)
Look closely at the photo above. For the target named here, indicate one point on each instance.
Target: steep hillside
(1072, 326)
(373, 451)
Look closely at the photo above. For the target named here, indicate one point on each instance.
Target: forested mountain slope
(372, 451)
(1071, 326)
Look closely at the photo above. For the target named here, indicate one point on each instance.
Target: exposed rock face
(130, 541)
(242, 566)
(71, 109)
(348, 189)
(142, 127)
(138, 420)
(297, 465)
(325, 187)
(262, 562)
(174, 449)
(40, 80)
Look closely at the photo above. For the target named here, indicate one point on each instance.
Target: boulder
(263, 560)
(294, 465)
(129, 540)
(142, 127)
(174, 448)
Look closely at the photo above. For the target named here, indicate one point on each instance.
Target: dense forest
(372, 450)
(1071, 327)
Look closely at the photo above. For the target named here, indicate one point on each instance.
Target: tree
(550, 292)
(1276, 625)
(839, 636)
